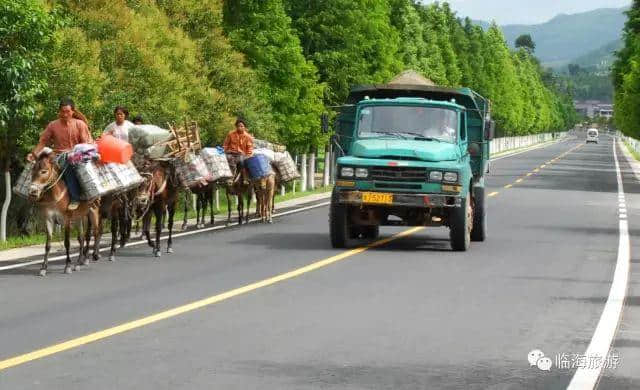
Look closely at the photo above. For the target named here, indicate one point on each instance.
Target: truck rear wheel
(479, 231)
(340, 228)
(460, 224)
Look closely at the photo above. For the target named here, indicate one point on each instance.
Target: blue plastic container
(259, 166)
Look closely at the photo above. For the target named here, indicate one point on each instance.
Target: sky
(526, 11)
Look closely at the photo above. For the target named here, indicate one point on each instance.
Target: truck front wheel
(460, 224)
(479, 231)
(340, 228)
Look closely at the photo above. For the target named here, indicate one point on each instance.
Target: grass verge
(631, 150)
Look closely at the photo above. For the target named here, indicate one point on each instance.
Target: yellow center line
(536, 170)
(493, 194)
(103, 334)
(508, 186)
(519, 180)
(529, 174)
(542, 166)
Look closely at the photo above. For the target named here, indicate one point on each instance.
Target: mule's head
(143, 195)
(43, 176)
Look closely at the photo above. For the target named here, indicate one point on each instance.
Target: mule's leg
(87, 237)
(203, 205)
(240, 209)
(249, 196)
(94, 218)
(185, 222)
(67, 246)
(81, 250)
(146, 226)
(172, 211)
(47, 246)
(159, 212)
(211, 198)
(114, 237)
(228, 208)
(198, 209)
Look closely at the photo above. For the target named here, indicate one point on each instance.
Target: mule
(204, 197)
(265, 194)
(51, 196)
(157, 194)
(118, 209)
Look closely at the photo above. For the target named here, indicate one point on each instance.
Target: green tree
(262, 30)
(525, 41)
(25, 40)
(350, 42)
(225, 67)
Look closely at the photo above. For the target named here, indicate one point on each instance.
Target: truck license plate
(377, 198)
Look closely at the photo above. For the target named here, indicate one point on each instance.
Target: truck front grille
(398, 174)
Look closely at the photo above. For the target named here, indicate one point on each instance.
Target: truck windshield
(412, 122)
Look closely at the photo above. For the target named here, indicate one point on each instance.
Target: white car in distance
(592, 135)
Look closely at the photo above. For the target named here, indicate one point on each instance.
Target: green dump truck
(411, 154)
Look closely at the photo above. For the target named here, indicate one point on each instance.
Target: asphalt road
(408, 314)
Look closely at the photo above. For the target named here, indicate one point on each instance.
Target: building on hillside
(594, 108)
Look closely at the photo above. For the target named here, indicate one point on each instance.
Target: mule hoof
(77, 267)
(185, 226)
(228, 224)
(68, 270)
(157, 253)
(112, 258)
(43, 272)
(96, 257)
(170, 250)
(270, 220)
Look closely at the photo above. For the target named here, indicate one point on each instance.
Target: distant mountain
(566, 38)
(600, 58)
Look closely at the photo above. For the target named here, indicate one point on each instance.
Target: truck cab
(411, 155)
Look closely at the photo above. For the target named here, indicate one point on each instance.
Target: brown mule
(265, 193)
(51, 196)
(157, 194)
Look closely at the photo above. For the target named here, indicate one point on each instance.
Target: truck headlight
(451, 177)
(361, 173)
(435, 176)
(346, 172)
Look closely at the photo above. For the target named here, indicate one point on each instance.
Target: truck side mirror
(489, 129)
(325, 122)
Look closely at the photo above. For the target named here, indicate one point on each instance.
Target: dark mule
(240, 188)
(51, 196)
(118, 209)
(157, 194)
(204, 197)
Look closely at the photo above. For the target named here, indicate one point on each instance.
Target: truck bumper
(425, 201)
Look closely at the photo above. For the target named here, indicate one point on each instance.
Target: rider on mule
(69, 130)
(238, 146)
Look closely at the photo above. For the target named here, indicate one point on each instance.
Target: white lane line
(586, 378)
(177, 235)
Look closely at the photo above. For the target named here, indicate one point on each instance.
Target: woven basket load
(262, 144)
(286, 167)
(192, 170)
(24, 181)
(217, 164)
(126, 174)
(96, 179)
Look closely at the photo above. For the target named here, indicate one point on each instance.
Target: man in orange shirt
(238, 145)
(63, 134)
